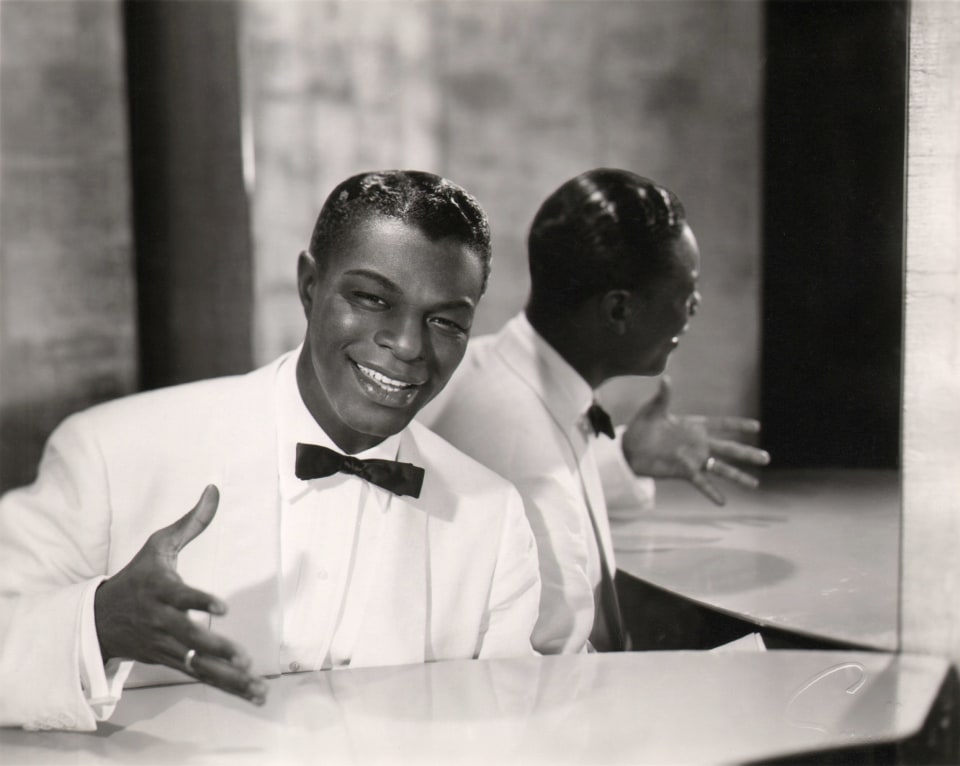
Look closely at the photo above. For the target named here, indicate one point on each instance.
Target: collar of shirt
(564, 392)
(296, 424)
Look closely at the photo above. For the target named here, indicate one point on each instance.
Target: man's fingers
(657, 406)
(691, 459)
(698, 477)
(725, 471)
(180, 627)
(662, 399)
(743, 453)
(726, 423)
(183, 597)
(210, 644)
(194, 521)
(229, 678)
(701, 482)
(214, 672)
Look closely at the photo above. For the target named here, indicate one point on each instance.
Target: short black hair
(602, 230)
(438, 207)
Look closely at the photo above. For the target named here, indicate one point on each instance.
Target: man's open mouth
(391, 385)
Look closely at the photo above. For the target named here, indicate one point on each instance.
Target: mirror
(779, 125)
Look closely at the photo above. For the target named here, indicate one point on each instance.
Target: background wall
(510, 99)
(67, 300)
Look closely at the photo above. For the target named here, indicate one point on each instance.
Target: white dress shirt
(517, 406)
(329, 535)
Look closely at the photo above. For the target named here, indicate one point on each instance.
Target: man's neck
(573, 336)
(350, 442)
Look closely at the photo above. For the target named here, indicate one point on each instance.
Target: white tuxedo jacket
(518, 407)
(458, 580)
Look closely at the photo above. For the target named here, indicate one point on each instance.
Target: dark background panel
(833, 232)
(190, 208)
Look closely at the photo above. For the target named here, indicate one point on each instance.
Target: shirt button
(322, 574)
(295, 666)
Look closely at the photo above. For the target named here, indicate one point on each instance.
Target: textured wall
(510, 99)
(332, 89)
(930, 589)
(67, 335)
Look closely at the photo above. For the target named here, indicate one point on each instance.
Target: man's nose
(404, 338)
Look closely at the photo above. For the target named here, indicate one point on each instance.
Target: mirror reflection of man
(614, 268)
(330, 530)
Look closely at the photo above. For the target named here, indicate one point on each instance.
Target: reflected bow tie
(599, 420)
(315, 462)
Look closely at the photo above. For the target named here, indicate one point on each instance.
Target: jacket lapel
(247, 553)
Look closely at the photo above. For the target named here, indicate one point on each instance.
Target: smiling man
(330, 530)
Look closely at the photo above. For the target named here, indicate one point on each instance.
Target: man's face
(664, 312)
(388, 317)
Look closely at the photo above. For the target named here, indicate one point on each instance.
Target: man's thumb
(661, 401)
(194, 521)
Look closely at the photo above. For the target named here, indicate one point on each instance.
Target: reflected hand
(141, 612)
(662, 445)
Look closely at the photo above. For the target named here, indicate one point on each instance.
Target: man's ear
(617, 307)
(307, 276)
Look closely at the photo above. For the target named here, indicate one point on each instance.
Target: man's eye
(448, 325)
(369, 299)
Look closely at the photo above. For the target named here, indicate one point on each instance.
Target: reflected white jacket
(519, 408)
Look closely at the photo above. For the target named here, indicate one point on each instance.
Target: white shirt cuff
(102, 685)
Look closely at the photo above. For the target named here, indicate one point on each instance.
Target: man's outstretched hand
(662, 445)
(141, 612)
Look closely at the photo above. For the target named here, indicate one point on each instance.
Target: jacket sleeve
(54, 539)
(515, 591)
(559, 520)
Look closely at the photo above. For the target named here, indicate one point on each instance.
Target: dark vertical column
(191, 213)
(833, 232)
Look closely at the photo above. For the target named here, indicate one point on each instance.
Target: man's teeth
(390, 384)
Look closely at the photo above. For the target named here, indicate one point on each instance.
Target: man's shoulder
(488, 403)
(486, 383)
(196, 402)
(452, 467)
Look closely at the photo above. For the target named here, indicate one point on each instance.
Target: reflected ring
(188, 660)
(709, 463)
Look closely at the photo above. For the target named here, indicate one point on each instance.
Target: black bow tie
(315, 462)
(599, 420)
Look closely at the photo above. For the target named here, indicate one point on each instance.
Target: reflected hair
(603, 230)
(436, 206)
